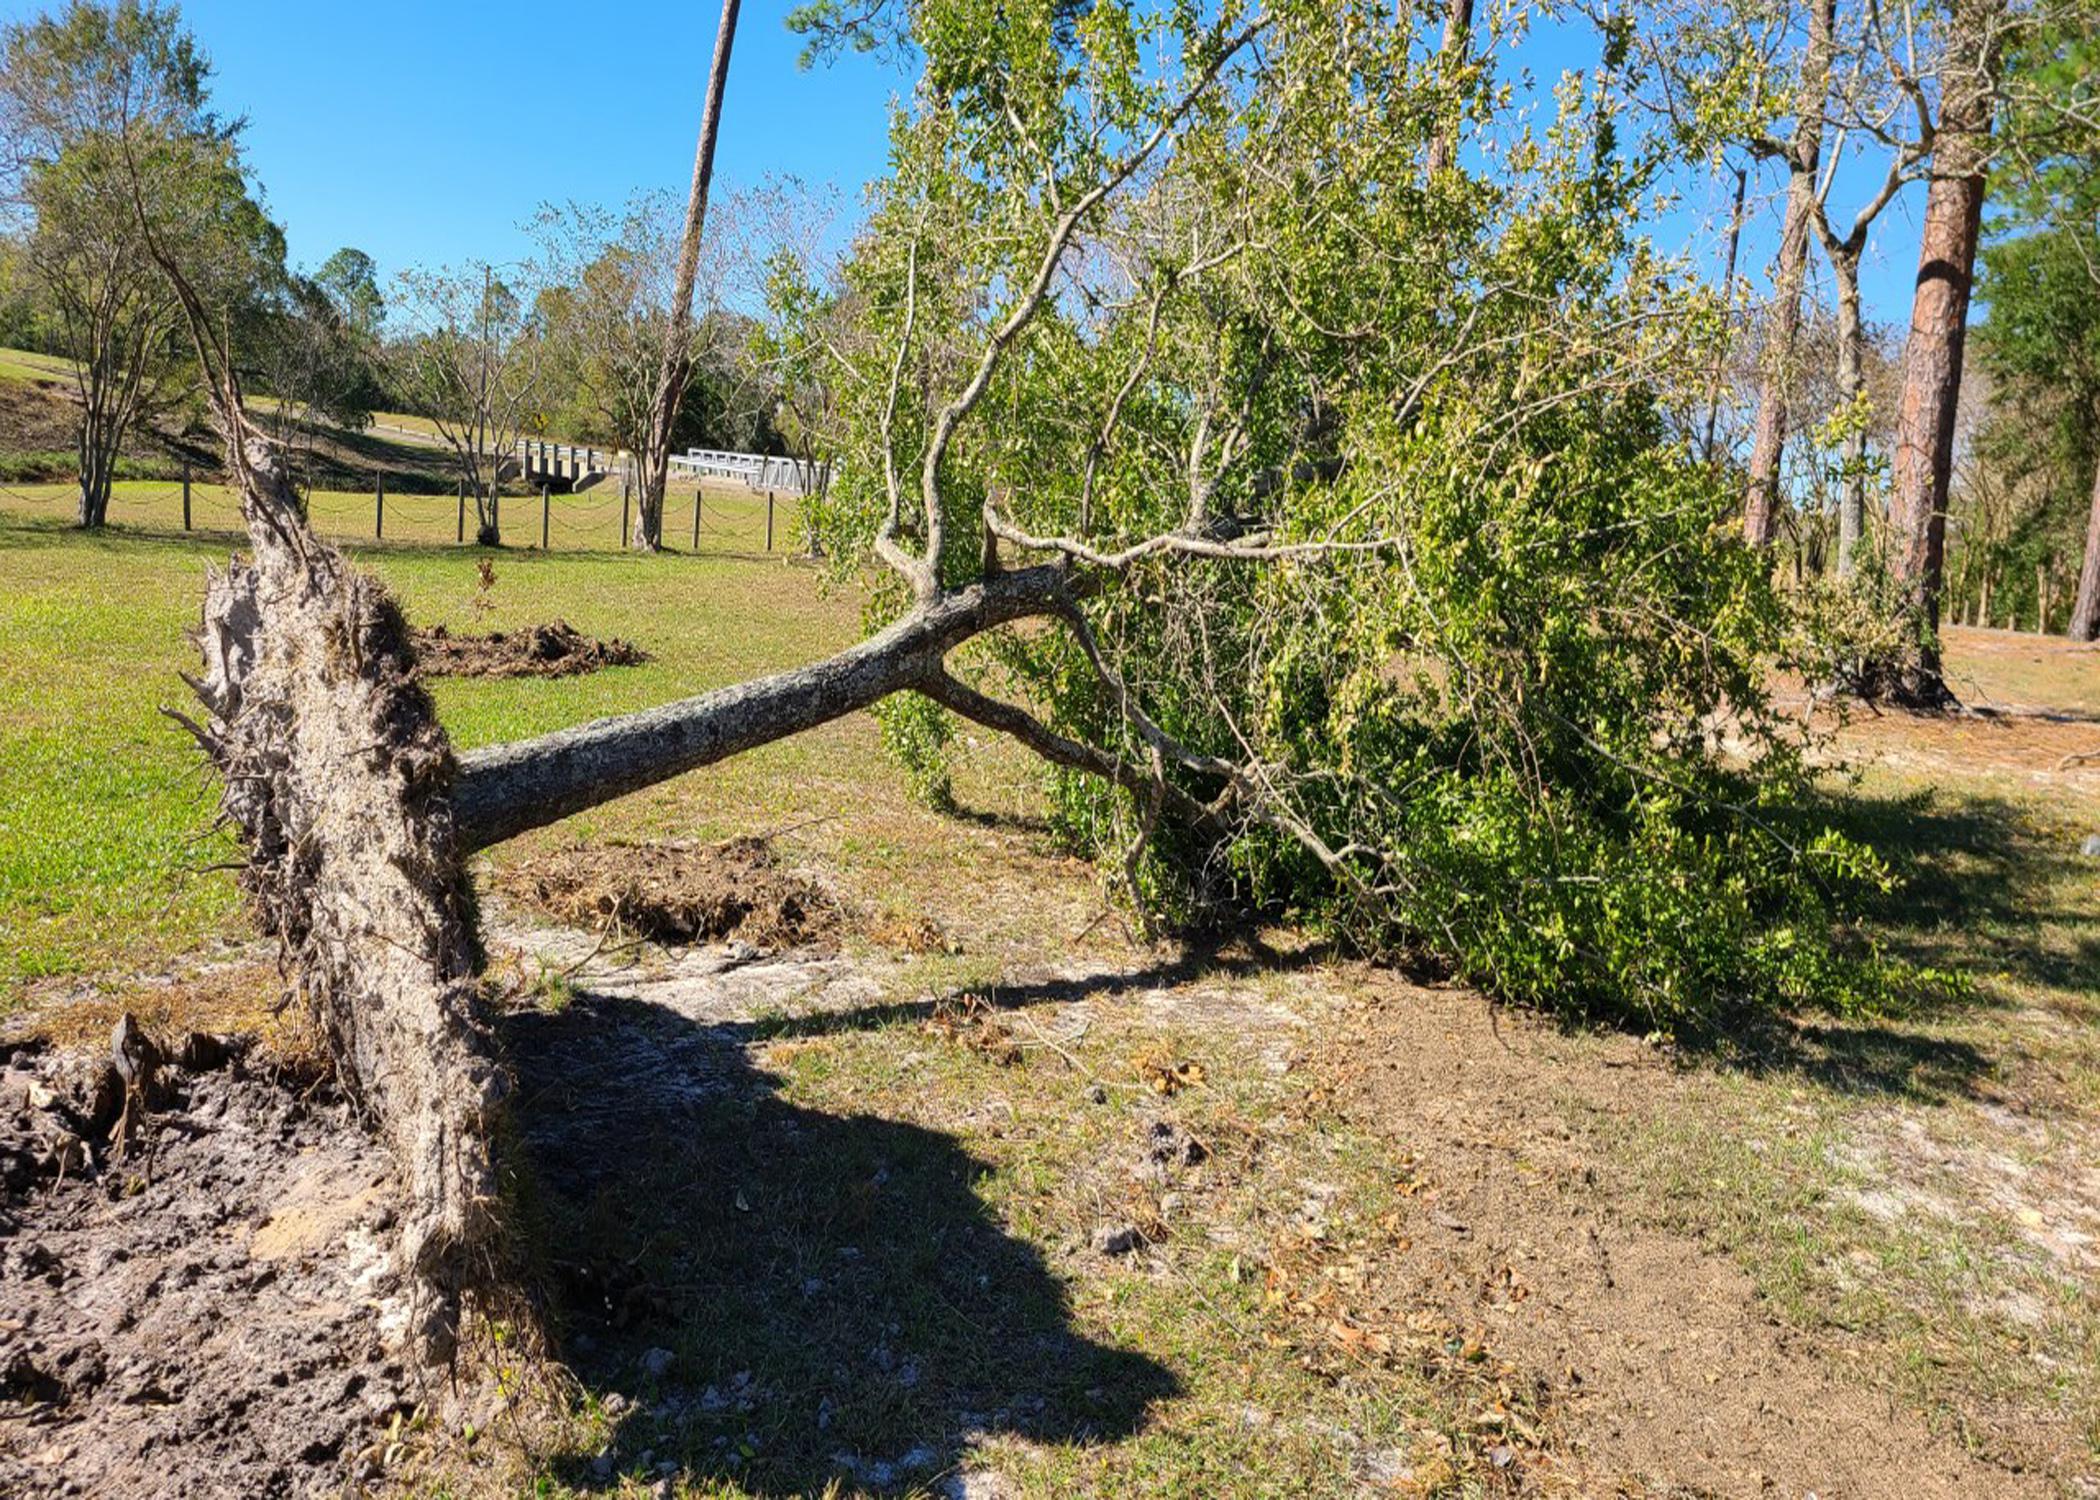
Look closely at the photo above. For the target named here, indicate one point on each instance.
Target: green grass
(103, 846)
(733, 520)
(39, 471)
(20, 364)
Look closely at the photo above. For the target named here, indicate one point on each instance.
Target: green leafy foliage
(1486, 677)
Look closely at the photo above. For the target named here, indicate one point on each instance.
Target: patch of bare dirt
(2043, 748)
(36, 417)
(679, 892)
(204, 1310)
(1655, 1364)
(556, 650)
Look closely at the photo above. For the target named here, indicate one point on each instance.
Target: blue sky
(427, 133)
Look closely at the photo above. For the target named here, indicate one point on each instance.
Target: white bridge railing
(755, 470)
(541, 459)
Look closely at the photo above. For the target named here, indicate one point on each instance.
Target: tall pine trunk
(1768, 446)
(1932, 360)
(654, 459)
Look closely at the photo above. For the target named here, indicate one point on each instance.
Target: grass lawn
(104, 836)
(21, 364)
(867, 1260)
(732, 519)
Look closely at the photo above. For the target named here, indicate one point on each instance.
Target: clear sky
(427, 133)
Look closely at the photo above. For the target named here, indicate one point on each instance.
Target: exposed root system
(337, 775)
(680, 892)
(556, 650)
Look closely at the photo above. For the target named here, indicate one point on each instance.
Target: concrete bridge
(564, 466)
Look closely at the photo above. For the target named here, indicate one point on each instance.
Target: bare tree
(1899, 117)
(469, 361)
(808, 317)
(606, 287)
(117, 322)
(676, 363)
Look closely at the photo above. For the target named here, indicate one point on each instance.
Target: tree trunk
(505, 790)
(1735, 244)
(1458, 43)
(97, 469)
(488, 523)
(2085, 611)
(1768, 446)
(654, 459)
(1932, 361)
(1851, 382)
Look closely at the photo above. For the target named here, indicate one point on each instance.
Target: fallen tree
(1363, 575)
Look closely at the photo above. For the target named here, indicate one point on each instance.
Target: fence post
(769, 520)
(185, 494)
(696, 518)
(624, 499)
(462, 511)
(378, 505)
(543, 517)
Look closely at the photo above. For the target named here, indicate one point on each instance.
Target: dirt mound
(556, 650)
(203, 1313)
(680, 892)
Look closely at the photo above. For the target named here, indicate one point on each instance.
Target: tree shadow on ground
(1976, 883)
(778, 1296)
(1976, 880)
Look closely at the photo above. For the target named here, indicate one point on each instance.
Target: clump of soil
(196, 1298)
(677, 891)
(556, 650)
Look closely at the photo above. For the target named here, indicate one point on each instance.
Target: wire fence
(724, 520)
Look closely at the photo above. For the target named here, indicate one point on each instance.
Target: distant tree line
(102, 102)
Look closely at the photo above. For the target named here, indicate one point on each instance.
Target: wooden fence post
(185, 494)
(769, 520)
(624, 501)
(378, 505)
(544, 510)
(696, 518)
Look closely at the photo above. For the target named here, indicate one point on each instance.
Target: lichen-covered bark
(338, 777)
